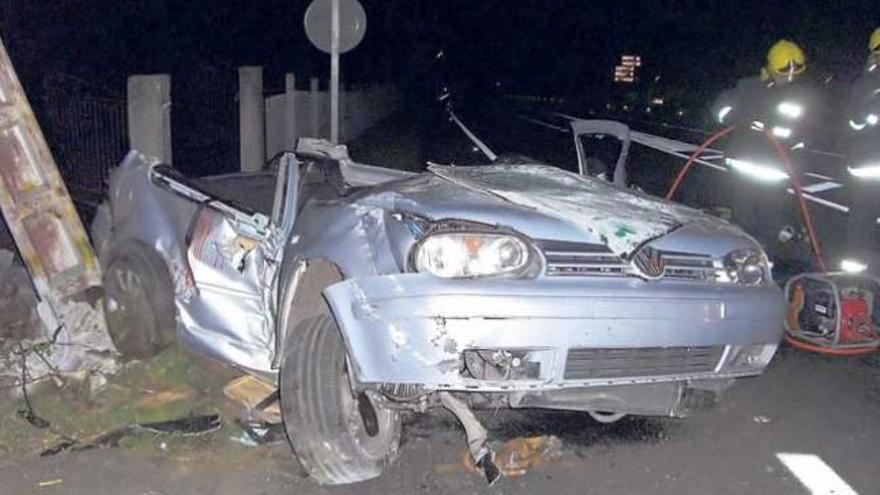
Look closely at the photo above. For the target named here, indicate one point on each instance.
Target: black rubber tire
(138, 301)
(313, 380)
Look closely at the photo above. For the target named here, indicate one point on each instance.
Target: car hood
(550, 203)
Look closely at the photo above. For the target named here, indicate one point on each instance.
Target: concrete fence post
(290, 131)
(315, 107)
(252, 119)
(149, 115)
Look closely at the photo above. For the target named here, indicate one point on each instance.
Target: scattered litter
(44, 484)
(259, 398)
(244, 439)
(761, 419)
(262, 433)
(516, 457)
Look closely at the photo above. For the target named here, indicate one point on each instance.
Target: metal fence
(87, 134)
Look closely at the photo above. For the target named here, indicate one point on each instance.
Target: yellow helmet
(874, 41)
(785, 58)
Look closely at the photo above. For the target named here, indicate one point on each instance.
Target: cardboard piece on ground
(249, 391)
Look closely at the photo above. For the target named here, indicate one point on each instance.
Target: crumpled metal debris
(519, 455)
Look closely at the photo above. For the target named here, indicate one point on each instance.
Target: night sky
(543, 47)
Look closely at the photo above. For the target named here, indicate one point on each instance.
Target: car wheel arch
(302, 296)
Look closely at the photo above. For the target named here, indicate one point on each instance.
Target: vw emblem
(649, 262)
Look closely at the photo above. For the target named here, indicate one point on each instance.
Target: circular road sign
(352, 24)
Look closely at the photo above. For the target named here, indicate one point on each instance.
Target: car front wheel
(339, 436)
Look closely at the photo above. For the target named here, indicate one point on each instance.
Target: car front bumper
(412, 329)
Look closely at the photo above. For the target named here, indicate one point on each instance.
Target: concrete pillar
(290, 111)
(149, 115)
(315, 107)
(252, 119)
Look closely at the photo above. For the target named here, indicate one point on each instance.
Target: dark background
(74, 56)
(537, 47)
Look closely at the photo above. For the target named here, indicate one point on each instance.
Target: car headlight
(471, 254)
(747, 267)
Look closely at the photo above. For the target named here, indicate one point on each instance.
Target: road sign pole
(347, 23)
(334, 72)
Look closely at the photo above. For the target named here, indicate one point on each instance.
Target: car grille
(689, 266)
(576, 259)
(569, 258)
(593, 363)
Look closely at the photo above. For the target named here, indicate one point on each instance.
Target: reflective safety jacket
(863, 133)
(755, 105)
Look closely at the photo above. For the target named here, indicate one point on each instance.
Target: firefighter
(775, 101)
(863, 163)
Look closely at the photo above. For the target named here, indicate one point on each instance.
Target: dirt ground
(804, 404)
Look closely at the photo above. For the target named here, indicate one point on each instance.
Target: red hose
(802, 203)
(808, 223)
(796, 185)
(830, 351)
(690, 163)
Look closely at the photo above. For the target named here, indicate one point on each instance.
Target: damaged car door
(210, 271)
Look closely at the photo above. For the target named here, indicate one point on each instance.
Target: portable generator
(833, 313)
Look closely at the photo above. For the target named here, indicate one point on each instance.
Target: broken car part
(477, 436)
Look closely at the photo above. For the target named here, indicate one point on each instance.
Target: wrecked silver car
(364, 292)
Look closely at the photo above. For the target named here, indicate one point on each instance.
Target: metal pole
(290, 111)
(334, 72)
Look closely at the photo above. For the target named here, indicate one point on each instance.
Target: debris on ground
(191, 425)
(48, 483)
(519, 455)
(260, 433)
(73, 347)
(259, 398)
(177, 391)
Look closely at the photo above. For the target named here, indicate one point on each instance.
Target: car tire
(138, 301)
(337, 437)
